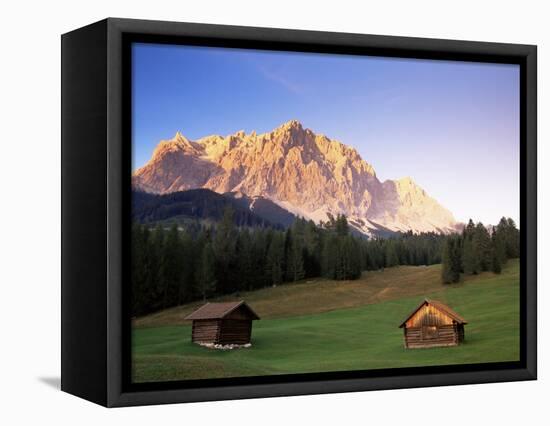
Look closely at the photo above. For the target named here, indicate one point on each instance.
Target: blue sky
(451, 126)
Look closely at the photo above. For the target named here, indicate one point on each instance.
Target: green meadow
(322, 325)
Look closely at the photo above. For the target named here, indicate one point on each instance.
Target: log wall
(205, 331)
(235, 332)
(424, 337)
(224, 332)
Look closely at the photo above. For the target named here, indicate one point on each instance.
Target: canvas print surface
(306, 213)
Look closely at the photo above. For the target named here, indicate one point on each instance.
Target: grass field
(324, 325)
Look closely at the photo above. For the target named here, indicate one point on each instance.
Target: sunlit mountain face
(303, 172)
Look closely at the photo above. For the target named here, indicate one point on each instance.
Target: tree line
(178, 264)
(477, 250)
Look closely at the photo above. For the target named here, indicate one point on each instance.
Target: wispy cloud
(277, 77)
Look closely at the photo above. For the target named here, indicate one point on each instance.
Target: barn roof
(441, 307)
(220, 310)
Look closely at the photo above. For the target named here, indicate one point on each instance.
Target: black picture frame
(96, 96)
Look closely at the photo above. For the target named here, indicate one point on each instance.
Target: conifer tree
(451, 260)
(512, 239)
(391, 254)
(275, 260)
(187, 259)
(329, 256)
(206, 272)
(469, 229)
(447, 275)
(312, 250)
(224, 246)
(261, 240)
(498, 238)
(351, 263)
(499, 255)
(244, 260)
(139, 270)
(342, 228)
(496, 266)
(154, 278)
(295, 258)
(470, 263)
(171, 266)
(482, 247)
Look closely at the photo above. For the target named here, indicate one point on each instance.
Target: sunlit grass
(329, 326)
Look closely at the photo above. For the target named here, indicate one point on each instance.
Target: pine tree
(469, 229)
(447, 275)
(186, 262)
(498, 252)
(154, 277)
(498, 239)
(457, 257)
(171, 267)
(469, 261)
(275, 260)
(512, 239)
(206, 272)
(312, 250)
(482, 247)
(295, 258)
(139, 270)
(351, 263)
(339, 261)
(496, 266)
(244, 260)
(342, 228)
(224, 246)
(391, 258)
(260, 246)
(452, 261)
(329, 256)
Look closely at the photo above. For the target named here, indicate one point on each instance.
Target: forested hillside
(175, 265)
(198, 205)
(478, 250)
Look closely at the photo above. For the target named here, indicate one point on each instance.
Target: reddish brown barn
(223, 323)
(433, 324)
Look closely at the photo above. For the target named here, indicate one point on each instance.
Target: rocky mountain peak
(292, 125)
(181, 140)
(307, 174)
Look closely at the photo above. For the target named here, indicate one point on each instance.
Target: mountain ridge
(204, 204)
(307, 174)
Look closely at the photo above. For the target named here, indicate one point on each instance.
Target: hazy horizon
(453, 127)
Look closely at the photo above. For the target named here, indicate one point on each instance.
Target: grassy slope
(321, 295)
(341, 326)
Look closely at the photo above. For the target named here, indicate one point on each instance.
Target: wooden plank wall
(446, 336)
(224, 332)
(235, 332)
(205, 331)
